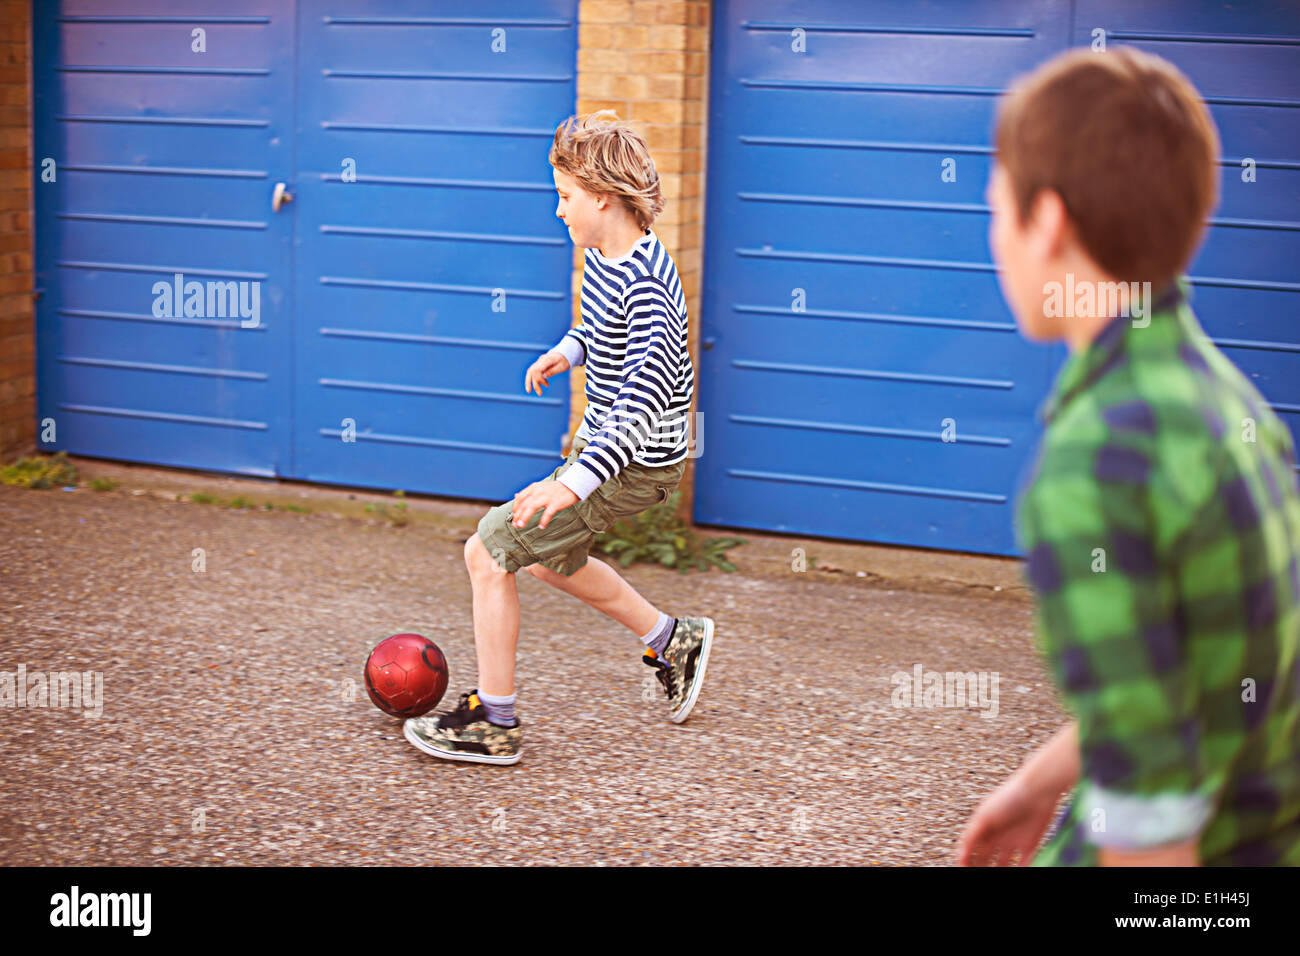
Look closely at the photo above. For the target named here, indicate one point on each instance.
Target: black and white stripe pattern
(639, 372)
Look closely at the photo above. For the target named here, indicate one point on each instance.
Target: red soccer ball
(406, 675)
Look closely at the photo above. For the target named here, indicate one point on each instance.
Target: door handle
(280, 197)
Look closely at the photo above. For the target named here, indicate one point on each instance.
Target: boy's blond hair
(607, 157)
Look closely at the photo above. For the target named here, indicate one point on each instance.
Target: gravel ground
(235, 728)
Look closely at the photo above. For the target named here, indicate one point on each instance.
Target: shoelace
(662, 671)
(459, 715)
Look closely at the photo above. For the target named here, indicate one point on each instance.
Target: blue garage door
(431, 268)
(163, 160)
(861, 376)
(410, 272)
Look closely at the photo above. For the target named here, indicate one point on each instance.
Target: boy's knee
(477, 559)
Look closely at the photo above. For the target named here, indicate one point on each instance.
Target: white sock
(500, 710)
(657, 637)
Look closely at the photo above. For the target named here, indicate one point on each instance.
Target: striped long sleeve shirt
(640, 379)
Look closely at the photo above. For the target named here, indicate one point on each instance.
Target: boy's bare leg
(496, 608)
(600, 586)
(496, 619)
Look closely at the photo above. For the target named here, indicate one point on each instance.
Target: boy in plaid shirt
(1161, 526)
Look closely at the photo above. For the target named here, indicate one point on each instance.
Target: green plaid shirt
(1161, 530)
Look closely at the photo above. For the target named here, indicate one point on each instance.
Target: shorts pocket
(597, 510)
(636, 496)
(594, 514)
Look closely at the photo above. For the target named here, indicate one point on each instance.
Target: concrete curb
(763, 554)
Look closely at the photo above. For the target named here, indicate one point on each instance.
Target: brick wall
(649, 61)
(17, 316)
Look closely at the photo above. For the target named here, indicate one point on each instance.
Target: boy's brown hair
(1127, 142)
(608, 157)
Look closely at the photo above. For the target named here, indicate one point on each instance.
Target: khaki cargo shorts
(563, 544)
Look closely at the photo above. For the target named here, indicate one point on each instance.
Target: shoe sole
(422, 744)
(701, 664)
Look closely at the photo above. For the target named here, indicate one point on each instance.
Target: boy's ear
(1049, 224)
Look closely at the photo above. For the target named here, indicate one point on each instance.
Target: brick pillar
(649, 62)
(17, 315)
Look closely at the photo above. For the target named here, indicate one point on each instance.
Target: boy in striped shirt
(629, 453)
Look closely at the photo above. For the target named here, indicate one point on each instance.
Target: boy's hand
(549, 494)
(551, 363)
(1013, 818)
(1010, 820)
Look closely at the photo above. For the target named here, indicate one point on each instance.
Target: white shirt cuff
(1126, 821)
(580, 479)
(571, 349)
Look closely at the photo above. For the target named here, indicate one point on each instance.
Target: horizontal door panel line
(169, 270)
(850, 259)
(474, 77)
(164, 220)
(1251, 101)
(170, 70)
(435, 339)
(169, 171)
(918, 147)
(425, 181)
(943, 89)
(924, 206)
(546, 22)
(168, 320)
(956, 266)
(165, 416)
(444, 443)
(456, 130)
(1256, 344)
(872, 374)
(1265, 285)
(1256, 223)
(801, 199)
(907, 30)
(436, 234)
(155, 18)
(436, 392)
(1262, 163)
(439, 287)
(881, 145)
(859, 485)
(156, 367)
(870, 430)
(161, 120)
(848, 86)
(877, 317)
(1203, 37)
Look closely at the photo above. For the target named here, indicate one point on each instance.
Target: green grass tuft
(40, 472)
(660, 535)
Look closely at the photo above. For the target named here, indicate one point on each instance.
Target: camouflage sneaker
(466, 734)
(681, 670)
